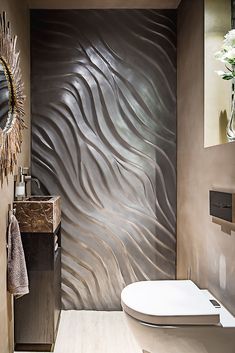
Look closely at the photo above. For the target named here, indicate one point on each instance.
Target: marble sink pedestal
(38, 214)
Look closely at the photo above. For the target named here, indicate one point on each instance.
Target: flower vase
(231, 122)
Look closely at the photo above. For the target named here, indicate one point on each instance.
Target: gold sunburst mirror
(12, 100)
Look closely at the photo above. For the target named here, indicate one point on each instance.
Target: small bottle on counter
(20, 186)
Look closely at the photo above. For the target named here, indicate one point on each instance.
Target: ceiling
(102, 4)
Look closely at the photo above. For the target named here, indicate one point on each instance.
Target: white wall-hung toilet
(177, 317)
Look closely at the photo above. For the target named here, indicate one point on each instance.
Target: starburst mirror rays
(12, 100)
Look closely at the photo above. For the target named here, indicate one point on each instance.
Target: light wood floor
(94, 332)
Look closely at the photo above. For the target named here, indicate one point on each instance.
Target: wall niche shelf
(217, 91)
(222, 205)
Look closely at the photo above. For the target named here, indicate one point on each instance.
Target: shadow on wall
(223, 121)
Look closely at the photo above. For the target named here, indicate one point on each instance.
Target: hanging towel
(17, 276)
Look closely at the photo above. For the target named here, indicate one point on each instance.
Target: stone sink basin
(38, 214)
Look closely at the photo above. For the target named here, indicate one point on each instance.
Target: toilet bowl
(177, 317)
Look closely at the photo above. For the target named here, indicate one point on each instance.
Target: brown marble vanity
(38, 214)
(37, 314)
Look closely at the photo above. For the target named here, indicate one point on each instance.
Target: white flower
(220, 73)
(225, 75)
(226, 47)
(230, 38)
(230, 54)
(220, 55)
(227, 56)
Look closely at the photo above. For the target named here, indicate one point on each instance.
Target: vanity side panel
(34, 312)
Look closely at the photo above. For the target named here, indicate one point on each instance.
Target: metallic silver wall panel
(104, 138)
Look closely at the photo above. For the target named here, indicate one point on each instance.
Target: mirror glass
(4, 97)
(218, 86)
(6, 106)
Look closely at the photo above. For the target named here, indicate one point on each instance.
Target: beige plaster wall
(202, 245)
(17, 13)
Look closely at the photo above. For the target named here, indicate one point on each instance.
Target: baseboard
(34, 347)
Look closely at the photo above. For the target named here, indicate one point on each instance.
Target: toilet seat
(164, 302)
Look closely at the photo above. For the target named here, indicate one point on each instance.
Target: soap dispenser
(20, 185)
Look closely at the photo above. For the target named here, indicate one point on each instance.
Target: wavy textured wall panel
(104, 138)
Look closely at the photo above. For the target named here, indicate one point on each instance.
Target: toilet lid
(172, 302)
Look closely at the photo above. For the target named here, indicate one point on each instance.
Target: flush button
(215, 303)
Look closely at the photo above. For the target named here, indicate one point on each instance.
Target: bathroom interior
(117, 176)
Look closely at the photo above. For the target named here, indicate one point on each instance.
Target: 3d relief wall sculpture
(104, 138)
